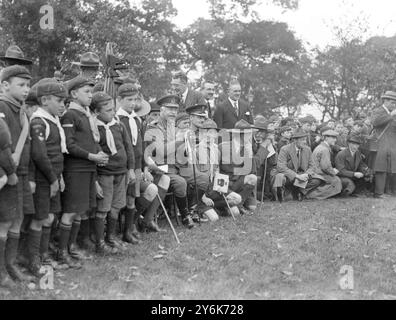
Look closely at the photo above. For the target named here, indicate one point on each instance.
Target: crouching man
(295, 168)
(352, 169)
(321, 158)
(237, 162)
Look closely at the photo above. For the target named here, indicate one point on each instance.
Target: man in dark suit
(295, 168)
(228, 113)
(188, 97)
(208, 91)
(352, 169)
(384, 123)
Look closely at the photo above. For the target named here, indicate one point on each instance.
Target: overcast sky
(313, 19)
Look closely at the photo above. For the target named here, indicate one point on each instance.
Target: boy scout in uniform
(48, 146)
(15, 81)
(147, 203)
(82, 139)
(7, 209)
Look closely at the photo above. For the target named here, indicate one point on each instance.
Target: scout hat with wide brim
(89, 60)
(15, 55)
(261, 124)
(143, 108)
(390, 95)
(242, 126)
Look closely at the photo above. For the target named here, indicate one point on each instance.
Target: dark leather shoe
(195, 217)
(75, 253)
(135, 232)
(86, 244)
(188, 222)
(17, 274)
(152, 226)
(6, 281)
(63, 258)
(129, 237)
(103, 249)
(243, 210)
(34, 267)
(300, 196)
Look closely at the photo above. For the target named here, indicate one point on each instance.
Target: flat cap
(51, 87)
(354, 138)
(329, 133)
(15, 71)
(127, 89)
(284, 129)
(99, 97)
(170, 101)
(78, 82)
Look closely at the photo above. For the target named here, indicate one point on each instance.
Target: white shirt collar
(386, 109)
(233, 102)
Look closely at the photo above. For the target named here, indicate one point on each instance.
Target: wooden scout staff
(112, 67)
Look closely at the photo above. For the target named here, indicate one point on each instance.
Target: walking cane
(169, 220)
(229, 209)
(262, 188)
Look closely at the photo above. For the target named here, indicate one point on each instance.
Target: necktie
(132, 123)
(299, 159)
(236, 107)
(109, 135)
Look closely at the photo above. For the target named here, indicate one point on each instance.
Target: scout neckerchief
(132, 123)
(44, 115)
(25, 127)
(109, 135)
(91, 118)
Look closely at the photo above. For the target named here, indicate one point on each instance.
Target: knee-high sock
(45, 237)
(74, 232)
(64, 235)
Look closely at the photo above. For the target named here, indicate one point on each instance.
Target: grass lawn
(284, 251)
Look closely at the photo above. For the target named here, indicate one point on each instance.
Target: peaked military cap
(198, 109)
(170, 101)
